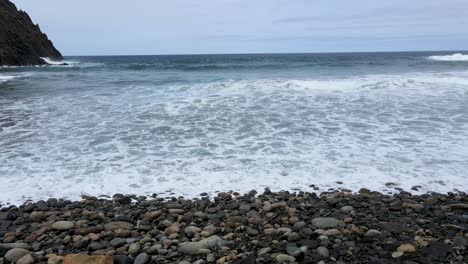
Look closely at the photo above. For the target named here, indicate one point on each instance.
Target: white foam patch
(59, 62)
(365, 131)
(5, 78)
(453, 57)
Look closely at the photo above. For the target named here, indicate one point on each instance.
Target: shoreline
(387, 188)
(269, 227)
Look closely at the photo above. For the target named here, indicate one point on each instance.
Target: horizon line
(265, 53)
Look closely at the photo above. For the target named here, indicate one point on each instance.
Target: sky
(147, 27)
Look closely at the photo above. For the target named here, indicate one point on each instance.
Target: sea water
(187, 124)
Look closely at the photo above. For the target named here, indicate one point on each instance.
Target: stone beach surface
(269, 227)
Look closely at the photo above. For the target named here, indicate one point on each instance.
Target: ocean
(186, 124)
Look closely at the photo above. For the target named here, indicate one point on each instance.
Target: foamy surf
(173, 131)
(59, 62)
(6, 78)
(453, 57)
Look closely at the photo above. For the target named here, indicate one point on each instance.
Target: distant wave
(59, 62)
(453, 57)
(5, 78)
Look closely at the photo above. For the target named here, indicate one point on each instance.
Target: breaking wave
(453, 57)
(59, 62)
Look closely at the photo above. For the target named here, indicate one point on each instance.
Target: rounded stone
(63, 225)
(26, 259)
(323, 252)
(134, 248)
(347, 209)
(13, 255)
(326, 222)
(283, 258)
(142, 258)
(372, 233)
(406, 248)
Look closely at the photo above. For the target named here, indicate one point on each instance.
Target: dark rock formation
(22, 42)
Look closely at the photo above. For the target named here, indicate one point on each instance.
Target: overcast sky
(119, 27)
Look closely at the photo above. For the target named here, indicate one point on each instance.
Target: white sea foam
(365, 131)
(5, 78)
(59, 62)
(453, 57)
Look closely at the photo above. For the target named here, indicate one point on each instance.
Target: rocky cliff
(22, 42)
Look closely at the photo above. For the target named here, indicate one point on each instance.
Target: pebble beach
(270, 227)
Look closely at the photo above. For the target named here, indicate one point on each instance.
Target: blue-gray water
(192, 124)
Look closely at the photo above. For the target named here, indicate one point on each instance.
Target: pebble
(264, 251)
(283, 258)
(27, 259)
(347, 209)
(134, 248)
(406, 248)
(244, 229)
(372, 233)
(142, 258)
(323, 252)
(326, 222)
(331, 232)
(117, 242)
(191, 248)
(299, 225)
(13, 255)
(63, 225)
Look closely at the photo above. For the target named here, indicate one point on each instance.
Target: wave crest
(5, 78)
(58, 62)
(453, 57)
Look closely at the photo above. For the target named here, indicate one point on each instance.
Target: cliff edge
(22, 42)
